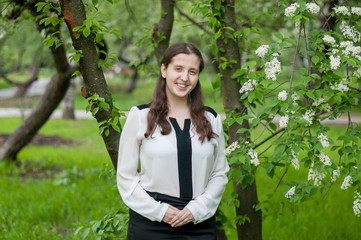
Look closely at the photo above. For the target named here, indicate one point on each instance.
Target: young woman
(171, 165)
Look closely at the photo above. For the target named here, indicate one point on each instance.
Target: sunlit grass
(56, 189)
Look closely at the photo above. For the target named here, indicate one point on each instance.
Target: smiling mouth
(182, 85)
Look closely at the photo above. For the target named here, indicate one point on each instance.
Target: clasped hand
(176, 217)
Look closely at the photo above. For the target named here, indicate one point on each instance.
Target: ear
(163, 70)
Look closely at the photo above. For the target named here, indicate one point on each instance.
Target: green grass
(70, 193)
(56, 189)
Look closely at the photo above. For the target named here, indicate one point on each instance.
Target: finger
(180, 221)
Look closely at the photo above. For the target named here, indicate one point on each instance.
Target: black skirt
(141, 228)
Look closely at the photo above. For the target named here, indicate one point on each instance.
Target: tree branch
(193, 21)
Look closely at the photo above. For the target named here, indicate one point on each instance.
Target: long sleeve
(133, 195)
(205, 205)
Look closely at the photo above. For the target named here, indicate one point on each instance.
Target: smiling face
(181, 75)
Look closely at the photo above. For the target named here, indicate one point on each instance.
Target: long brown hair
(158, 112)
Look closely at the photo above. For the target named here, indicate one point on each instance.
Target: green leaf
(291, 41)
(249, 64)
(315, 59)
(86, 32)
(279, 150)
(310, 95)
(85, 233)
(278, 35)
(40, 5)
(268, 167)
(314, 75)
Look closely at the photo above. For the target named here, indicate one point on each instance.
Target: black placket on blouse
(184, 154)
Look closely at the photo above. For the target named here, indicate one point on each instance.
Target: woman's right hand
(170, 213)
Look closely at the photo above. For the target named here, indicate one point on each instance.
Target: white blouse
(151, 164)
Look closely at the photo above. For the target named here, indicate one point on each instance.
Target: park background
(62, 185)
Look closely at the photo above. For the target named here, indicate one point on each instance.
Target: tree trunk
(35, 69)
(67, 105)
(163, 30)
(230, 88)
(94, 80)
(46, 104)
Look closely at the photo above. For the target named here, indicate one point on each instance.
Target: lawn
(56, 189)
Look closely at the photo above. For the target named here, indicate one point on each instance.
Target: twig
(193, 21)
(266, 127)
(324, 196)
(268, 138)
(294, 58)
(279, 182)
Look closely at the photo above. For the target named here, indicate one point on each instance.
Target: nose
(184, 75)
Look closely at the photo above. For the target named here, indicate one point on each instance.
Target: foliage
(301, 108)
(110, 227)
(97, 103)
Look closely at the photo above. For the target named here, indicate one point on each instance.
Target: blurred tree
(55, 89)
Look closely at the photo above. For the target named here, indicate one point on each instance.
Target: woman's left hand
(183, 217)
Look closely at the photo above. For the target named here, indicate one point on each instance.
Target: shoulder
(143, 106)
(210, 111)
(139, 111)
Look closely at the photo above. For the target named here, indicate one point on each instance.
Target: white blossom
(347, 181)
(357, 204)
(342, 10)
(316, 177)
(329, 39)
(335, 174)
(341, 86)
(318, 102)
(295, 97)
(358, 72)
(356, 11)
(254, 157)
(335, 50)
(325, 159)
(282, 96)
(283, 121)
(346, 44)
(350, 32)
(248, 86)
(297, 26)
(262, 51)
(350, 49)
(313, 8)
(308, 116)
(290, 11)
(231, 148)
(335, 62)
(324, 140)
(326, 107)
(272, 68)
(294, 161)
(291, 192)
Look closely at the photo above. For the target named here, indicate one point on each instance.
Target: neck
(178, 107)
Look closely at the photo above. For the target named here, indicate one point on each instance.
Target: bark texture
(163, 30)
(46, 104)
(230, 88)
(94, 80)
(67, 105)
